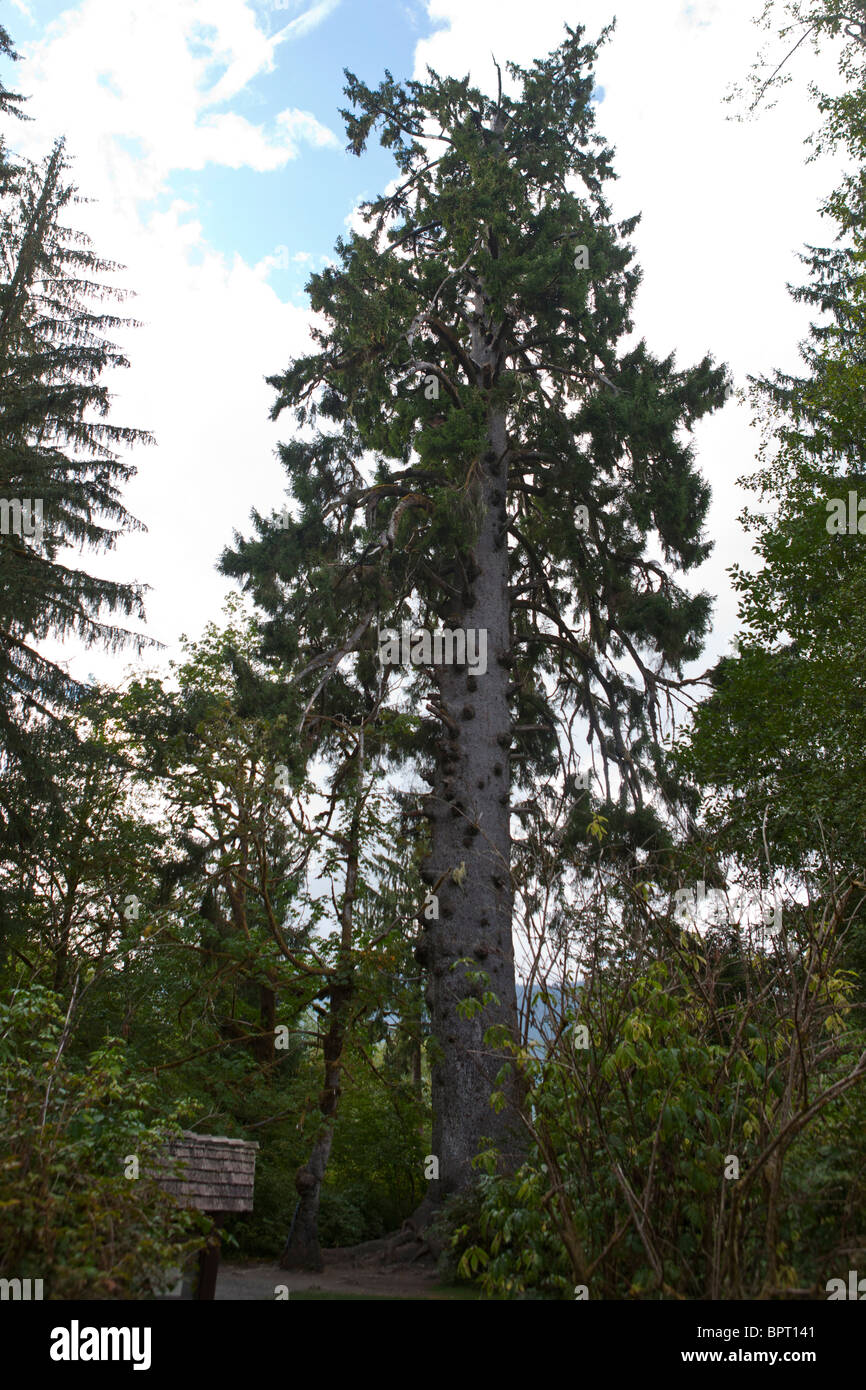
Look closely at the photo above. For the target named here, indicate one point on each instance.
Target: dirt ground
(344, 1276)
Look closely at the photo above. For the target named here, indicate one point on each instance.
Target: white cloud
(302, 128)
(134, 88)
(250, 52)
(309, 20)
(151, 71)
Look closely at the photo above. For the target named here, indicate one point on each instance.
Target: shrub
(701, 1146)
(69, 1215)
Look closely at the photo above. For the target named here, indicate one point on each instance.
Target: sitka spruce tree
(478, 459)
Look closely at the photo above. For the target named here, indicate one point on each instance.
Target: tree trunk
(470, 826)
(302, 1249)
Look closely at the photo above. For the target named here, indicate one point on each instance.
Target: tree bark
(302, 1249)
(470, 826)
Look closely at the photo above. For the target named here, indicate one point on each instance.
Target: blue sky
(207, 133)
(300, 205)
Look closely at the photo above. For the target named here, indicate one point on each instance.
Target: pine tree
(60, 474)
(10, 102)
(479, 453)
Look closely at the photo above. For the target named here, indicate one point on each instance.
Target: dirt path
(343, 1276)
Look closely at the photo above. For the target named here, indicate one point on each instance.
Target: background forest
(251, 894)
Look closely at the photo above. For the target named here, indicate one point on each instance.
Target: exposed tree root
(398, 1247)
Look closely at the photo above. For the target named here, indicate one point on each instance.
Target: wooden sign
(216, 1175)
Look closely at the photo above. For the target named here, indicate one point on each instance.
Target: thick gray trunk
(469, 809)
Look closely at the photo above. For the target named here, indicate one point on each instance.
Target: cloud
(306, 22)
(135, 88)
(233, 141)
(302, 128)
(212, 330)
(152, 71)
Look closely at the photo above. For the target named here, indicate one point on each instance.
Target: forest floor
(345, 1276)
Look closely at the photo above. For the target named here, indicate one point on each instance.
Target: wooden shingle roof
(217, 1173)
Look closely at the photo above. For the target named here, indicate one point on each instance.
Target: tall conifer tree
(60, 472)
(478, 452)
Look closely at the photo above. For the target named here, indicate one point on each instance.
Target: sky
(207, 136)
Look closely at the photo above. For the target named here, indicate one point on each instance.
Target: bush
(345, 1217)
(699, 1147)
(68, 1213)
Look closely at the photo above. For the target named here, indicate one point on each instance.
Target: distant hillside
(544, 1018)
